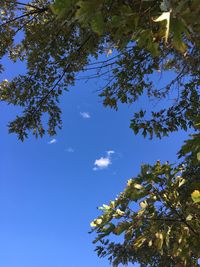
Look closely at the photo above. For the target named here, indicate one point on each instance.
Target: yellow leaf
(119, 212)
(180, 180)
(143, 204)
(96, 222)
(129, 182)
(139, 241)
(138, 186)
(159, 241)
(112, 204)
(189, 217)
(140, 212)
(167, 237)
(164, 16)
(106, 207)
(93, 224)
(196, 196)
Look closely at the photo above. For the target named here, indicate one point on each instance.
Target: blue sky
(50, 187)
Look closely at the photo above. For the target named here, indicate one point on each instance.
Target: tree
(158, 216)
(57, 40)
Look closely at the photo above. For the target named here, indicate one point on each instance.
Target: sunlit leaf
(196, 196)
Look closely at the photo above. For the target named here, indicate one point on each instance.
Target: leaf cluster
(158, 222)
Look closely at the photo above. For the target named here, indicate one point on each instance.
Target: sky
(50, 188)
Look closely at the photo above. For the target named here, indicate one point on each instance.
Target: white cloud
(85, 115)
(110, 152)
(70, 150)
(103, 162)
(53, 141)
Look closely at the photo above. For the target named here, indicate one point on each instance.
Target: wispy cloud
(103, 162)
(53, 141)
(85, 115)
(110, 152)
(70, 150)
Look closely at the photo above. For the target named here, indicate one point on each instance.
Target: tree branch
(43, 99)
(23, 16)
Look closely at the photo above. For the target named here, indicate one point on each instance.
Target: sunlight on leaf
(164, 16)
(196, 196)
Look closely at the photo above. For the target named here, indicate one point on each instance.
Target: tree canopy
(130, 44)
(158, 216)
(57, 40)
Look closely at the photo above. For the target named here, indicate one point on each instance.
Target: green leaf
(121, 227)
(98, 25)
(178, 28)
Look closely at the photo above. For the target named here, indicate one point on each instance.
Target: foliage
(142, 39)
(58, 39)
(158, 217)
(123, 21)
(191, 146)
